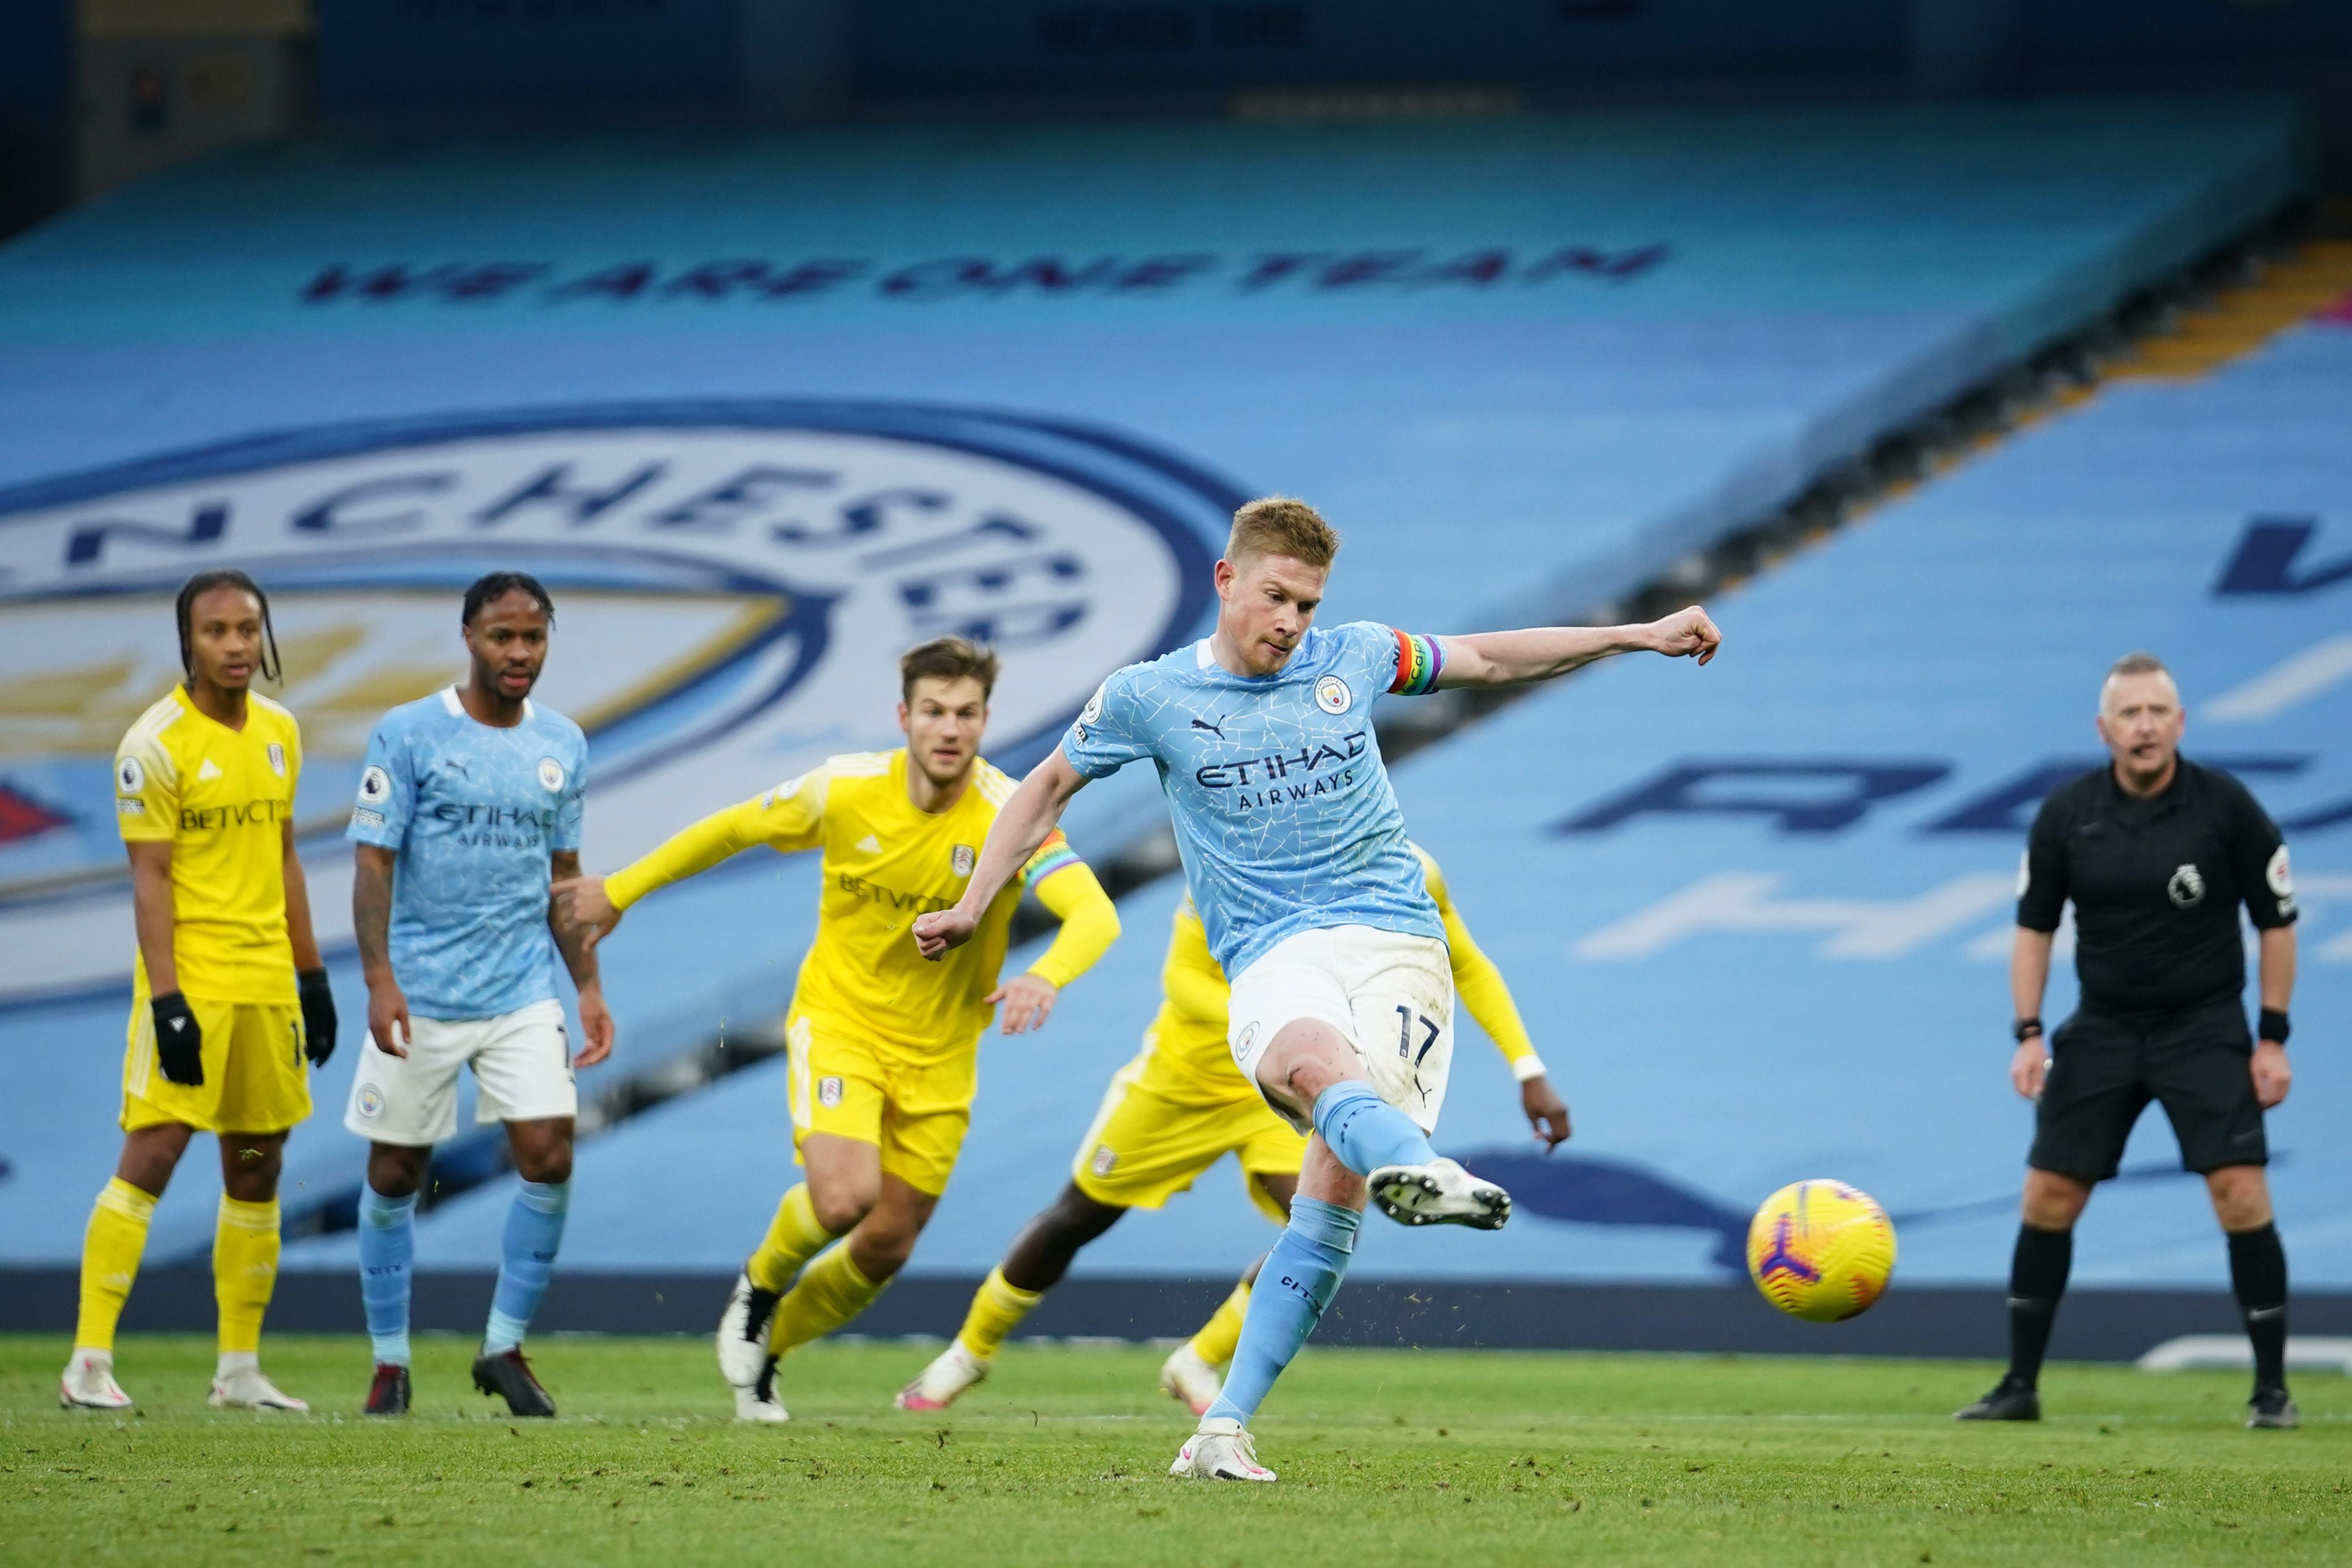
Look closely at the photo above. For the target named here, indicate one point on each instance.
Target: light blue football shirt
(474, 812)
(1283, 809)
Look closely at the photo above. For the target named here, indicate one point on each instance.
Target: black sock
(2258, 1273)
(2037, 1279)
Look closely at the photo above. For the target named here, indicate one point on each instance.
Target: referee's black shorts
(2104, 1070)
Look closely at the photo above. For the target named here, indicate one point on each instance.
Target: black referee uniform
(2157, 882)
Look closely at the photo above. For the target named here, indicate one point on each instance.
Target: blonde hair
(1281, 525)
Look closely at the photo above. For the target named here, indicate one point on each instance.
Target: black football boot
(508, 1375)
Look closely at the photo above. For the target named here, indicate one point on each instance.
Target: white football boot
(1189, 1381)
(239, 1386)
(1440, 1193)
(952, 1372)
(743, 1341)
(1222, 1450)
(89, 1383)
(759, 1402)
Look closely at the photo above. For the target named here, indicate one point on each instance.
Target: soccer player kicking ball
(883, 1050)
(1342, 995)
(1172, 1112)
(468, 807)
(228, 995)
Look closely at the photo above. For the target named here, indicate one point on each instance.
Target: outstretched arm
(1508, 659)
(1021, 826)
(787, 818)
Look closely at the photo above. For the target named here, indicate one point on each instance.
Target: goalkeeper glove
(179, 1040)
(318, 1016)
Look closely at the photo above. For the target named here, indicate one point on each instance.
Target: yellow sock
(245, 1271)
(794, 1237)
(1215, 1341)
(110, 1249)
(830, 1292)
(997, 1309)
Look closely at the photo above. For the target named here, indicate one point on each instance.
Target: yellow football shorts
(255, 1076)
(1146, 1146)
(913, 1107)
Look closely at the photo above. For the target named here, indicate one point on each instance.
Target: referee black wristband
(2025, 1028)
(2273, 1027)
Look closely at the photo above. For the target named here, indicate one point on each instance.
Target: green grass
(1431, 1458)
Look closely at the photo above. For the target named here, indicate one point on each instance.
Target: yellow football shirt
(220, 798)
(1189, 1060)
(886, 862)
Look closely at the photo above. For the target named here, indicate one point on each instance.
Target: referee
(2158, 854)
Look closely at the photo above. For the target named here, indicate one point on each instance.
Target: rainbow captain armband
(1420, 661)
(1054, 854)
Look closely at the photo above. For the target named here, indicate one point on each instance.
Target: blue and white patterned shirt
(1282, 810)
(474, 812)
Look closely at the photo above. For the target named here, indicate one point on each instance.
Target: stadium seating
(1756, 914)
(1525, 362)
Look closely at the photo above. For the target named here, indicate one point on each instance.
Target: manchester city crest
(731, 574)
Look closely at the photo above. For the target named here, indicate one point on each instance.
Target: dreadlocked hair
(204, 583)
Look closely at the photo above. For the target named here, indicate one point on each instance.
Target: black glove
(318, 1016)
(179, 1040)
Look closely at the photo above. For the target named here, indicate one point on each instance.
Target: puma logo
(1217, 729)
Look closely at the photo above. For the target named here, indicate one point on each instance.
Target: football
(1820, 1250)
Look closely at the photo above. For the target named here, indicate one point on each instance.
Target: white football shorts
(521, 1061)
(1389, 995)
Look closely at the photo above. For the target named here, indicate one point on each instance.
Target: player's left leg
(541, 1150)
(245, 1269)
(2242, 1201)
(523, 1066)
(1034, 1264)
(1312, 1021)
(266, 1087)
(2197, 1068)
(926, 1110)
(834, 1090)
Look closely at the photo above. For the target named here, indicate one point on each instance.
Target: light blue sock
(387, 1259)
(1296, 1283)
(1366, 1131)
(526, 1261)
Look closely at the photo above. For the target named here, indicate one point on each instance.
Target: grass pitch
(1386, 1456)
